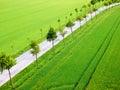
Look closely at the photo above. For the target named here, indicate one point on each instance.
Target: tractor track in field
(58, 86)
(76, 84)
(103, 52)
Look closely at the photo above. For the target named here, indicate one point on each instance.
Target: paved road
(27, 58)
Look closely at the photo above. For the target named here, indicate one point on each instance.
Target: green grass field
(90, 61)
(21, 20)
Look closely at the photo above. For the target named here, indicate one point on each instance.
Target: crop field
(90, 61)
(21, 20)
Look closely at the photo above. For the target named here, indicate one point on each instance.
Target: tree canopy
(51, 34)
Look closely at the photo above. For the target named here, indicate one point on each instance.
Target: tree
(62, 33)
(84, 7)
(85, 15)
(93, 2)
(81, 11)
(79, 18)
(70, 24)
(6, 62)
(90, 9)
(59, 23)
(89, 5)
(51, 36)
(71, 16)
(35, 49)
(76, 10)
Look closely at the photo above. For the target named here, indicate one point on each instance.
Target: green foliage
(9, 62)
(35, 50)
(35, 47)
(106, 3)
(6, 61)
(33, 44)
(58, 20)
(80, 17)
(91, 11)
(93, 2)
(51, 34)
(62, 33)
(84, 15)
(69, 24)
(94, 9)
(89, 4)
(76, 10)
(84, 6)
(2, 62)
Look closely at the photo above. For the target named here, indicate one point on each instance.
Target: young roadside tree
(71, 16)
(51, 36)
(80, 18)
(90, 10)
(93, 2)
(6, 62)
(89, 5)
(70, 24)
(81, 11)
(62, 33)
(85, 8)
(76, 10)
(85, 14)
(59, 23)
(35, 50)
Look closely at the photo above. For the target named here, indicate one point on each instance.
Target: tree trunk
(71, 31)
(86, 19)
(10, 79)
